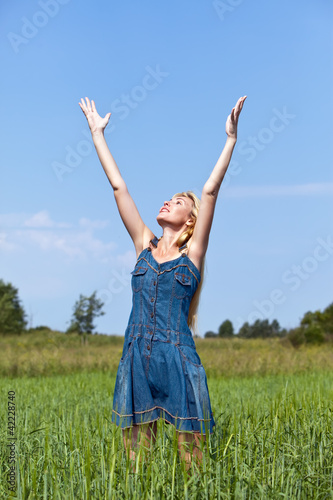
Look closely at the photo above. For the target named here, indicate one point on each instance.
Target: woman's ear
(190, 222)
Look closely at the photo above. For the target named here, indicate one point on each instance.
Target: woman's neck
(167, 245)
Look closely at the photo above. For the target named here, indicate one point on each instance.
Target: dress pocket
(137, 278)
(126, 350)
(182, 285)
(189, 354)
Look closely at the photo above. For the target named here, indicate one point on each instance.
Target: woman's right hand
(96, 123)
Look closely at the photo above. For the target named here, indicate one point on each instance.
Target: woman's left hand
(232, 120)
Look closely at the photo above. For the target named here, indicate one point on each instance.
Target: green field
(272, 405)
(51, 353)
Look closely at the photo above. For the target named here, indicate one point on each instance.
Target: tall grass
(52, 353)
(273, 439)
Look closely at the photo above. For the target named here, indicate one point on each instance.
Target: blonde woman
(160, 374)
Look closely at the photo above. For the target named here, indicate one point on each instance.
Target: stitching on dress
(186, 359)
(165, 330)
(180, 265)
(170, 313)
(166, 420)
(147, 369)
(130, 347)
(177, 418)
(153, 268)
(168, 270)
(166, 411)
(120, 415)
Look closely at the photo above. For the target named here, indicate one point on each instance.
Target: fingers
(83, 106)
(241, 101)
(239, 105)
(88, 104)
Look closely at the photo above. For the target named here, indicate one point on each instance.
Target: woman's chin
(159, 220)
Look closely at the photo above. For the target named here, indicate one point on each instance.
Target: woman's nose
(167, 203)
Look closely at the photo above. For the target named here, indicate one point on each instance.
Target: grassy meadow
(50, 353)
(272, 406)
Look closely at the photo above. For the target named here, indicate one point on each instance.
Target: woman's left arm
(200, 237)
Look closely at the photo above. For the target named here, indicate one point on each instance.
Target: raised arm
(200, 237)
(128, 211)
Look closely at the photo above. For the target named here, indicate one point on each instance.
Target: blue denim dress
(160, 374)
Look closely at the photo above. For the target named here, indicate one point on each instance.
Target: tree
(210, 334)
(276, 329)
(12, 314)
(327, 320)
(261, 329)
(226, 329)
(313, 326)
(85, 310)
(245, 331)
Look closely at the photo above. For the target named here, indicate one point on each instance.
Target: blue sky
(170, 73)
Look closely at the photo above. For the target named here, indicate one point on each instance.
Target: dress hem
(126, 421)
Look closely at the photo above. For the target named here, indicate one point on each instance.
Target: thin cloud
(6, 245)
(43, 220)
(19, 231)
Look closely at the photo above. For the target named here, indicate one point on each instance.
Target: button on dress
(160, 374)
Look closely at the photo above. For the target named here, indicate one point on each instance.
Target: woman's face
(176, 211)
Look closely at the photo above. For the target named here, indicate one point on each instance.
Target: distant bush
(226, 329)
(210, 334)
(12, 314)
(314, 335)
(40, 329)
(315, 328)
(296, 336)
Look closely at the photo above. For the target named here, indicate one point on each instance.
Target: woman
(160, 374)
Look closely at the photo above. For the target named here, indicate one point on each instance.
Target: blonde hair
(192, 319)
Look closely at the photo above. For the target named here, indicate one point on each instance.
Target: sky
(170, 73)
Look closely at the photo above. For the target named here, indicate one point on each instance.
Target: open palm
(232, 120)
(96, 123)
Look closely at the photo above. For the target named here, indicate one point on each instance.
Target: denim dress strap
(183, 247)
(153, 241)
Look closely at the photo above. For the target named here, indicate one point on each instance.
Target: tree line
(259, 329)
(315, 327)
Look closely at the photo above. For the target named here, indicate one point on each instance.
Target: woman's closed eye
(177, 202)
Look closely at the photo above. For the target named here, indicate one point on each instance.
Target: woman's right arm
(138, 231)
